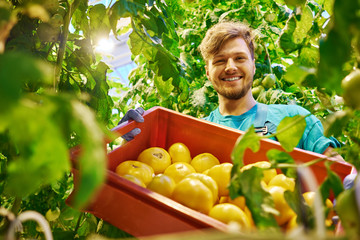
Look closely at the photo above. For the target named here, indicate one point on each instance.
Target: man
(228, 51)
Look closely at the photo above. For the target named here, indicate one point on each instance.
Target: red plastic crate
(142, 212)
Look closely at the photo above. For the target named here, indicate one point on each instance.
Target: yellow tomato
(156, 157)
(260, 164)
(263, 184)
(179, 152)
(194, 194)
(269, 173)
(206, 171)
(310, 196)
(221, 174)
(238, 201)
(162, 184)
(224, 199)
(179, 170)
(140, 170)
(227, 213)
(249, 215)
(286, 213)
(282, 181)
(204, 161)
(309, 199)
(292, 223)
(134, 179)
(208, 181)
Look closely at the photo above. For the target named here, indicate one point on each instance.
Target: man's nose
(230, 66)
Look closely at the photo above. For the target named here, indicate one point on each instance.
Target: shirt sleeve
(314, 139)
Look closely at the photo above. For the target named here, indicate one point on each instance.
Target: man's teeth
(232, 79)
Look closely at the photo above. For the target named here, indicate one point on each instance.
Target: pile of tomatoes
(201, 183)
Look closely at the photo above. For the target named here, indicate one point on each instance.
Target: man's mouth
(230, 79)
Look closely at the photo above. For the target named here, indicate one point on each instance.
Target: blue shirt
(313, 138)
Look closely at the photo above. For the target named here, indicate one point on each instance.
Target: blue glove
(136, 115)
(348, 181)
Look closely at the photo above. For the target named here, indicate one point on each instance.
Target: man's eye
(239, 58)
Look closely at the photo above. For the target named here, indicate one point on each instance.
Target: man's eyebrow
(235, 53)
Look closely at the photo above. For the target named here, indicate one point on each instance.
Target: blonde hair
(221, 32)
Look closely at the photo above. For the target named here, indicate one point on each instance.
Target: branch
(63, 40)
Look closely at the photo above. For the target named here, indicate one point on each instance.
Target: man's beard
(232, 94)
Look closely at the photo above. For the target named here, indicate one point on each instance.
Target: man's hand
(348, 181)
(330, 152)
(136, 115)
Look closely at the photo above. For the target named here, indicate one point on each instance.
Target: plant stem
(78, 222)
(287, 127)
(307, 164)
(63, 40)
(16, 206)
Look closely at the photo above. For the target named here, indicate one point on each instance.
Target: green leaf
(88, 226)
(149, 22)
(352, 155)
(328, 6)
(80, 18)
(320, 2)
(348, 214)
(92, 160)
(290, 131)
(164, 87)
(247, 140)
(19, 69)
(331, 182)
(309, 57)
(100, 101)
(286, 39)
(120, 10)
(136, 44)
(42, 151)
(336, 122)
(303, 26)
(280, 2)
(294, 3)
(297, 74)
(330, 70)
(99, 22)
(5, 13)
(165, 66)
(184, 86)
(277, 157)
(257, 199)
(332, 60)
(297, 203)
(125, 8)
(171, 45)
(161, 25)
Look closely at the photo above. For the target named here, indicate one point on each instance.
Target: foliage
(54, 89)
(54, 95)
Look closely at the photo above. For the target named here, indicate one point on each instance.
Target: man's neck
(235, 107)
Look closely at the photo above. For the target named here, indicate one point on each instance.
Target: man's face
(232, 69)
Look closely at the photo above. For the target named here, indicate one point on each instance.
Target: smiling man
(228, 50)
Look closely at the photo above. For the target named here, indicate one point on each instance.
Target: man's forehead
(232, 46)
